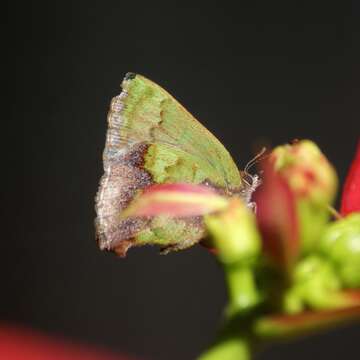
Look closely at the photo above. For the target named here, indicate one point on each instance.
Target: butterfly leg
(252, 206)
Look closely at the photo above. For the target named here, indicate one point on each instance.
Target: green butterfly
(152, 139)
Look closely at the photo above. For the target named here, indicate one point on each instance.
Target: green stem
(233, 343)
(242, 291)
(238, 246)
(228, 348)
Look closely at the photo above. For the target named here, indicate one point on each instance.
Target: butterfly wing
(151, 139)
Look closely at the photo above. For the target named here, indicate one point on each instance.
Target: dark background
(251, 72)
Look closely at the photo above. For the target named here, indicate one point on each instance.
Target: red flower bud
(308, 172)
(277, 218)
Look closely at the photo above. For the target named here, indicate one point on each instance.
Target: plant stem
(242, 291)
(232, 343)
(228, 348)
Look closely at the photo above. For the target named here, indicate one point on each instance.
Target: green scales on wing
(151, 138)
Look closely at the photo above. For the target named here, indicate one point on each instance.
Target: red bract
(176, 200)
(277, 218)
(20, 344)
(184, 188)
(350, 201)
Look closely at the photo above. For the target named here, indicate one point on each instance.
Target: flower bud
(341, 243)
(277, 220)
(234, 233)
(307, 170)
(313, 180)
(314, 283)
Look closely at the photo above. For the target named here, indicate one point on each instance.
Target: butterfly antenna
(258, 157)
(250, 179)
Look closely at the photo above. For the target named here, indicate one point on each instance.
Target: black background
(251, 72)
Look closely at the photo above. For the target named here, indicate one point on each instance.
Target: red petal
(179, 187)
(176, 200)
(19, 344)
(350, 201)
(277, 218)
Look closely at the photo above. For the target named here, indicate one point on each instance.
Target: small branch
(229, 348)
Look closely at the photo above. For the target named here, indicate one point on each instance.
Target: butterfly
(152, 139)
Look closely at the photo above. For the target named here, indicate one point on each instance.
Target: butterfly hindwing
(151, 139)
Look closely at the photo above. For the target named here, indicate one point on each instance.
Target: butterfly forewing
(151, 138)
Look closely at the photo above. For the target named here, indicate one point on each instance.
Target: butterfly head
(251, 181)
